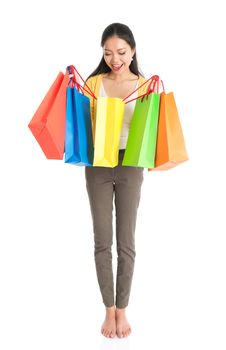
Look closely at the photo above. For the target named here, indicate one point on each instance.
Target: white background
(49, 296)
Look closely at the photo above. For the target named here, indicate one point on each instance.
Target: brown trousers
(102, 183)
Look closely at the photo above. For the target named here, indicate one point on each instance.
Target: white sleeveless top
(129, 108)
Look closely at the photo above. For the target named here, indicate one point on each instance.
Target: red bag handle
(152, 87)
(157, 81)
(74, 81)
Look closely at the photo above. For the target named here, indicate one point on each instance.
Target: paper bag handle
(74, 81)
(152, 87)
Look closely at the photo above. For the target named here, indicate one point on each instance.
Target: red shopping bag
(48, 122)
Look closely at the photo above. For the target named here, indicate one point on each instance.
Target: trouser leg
(100, 188)
(128, 181)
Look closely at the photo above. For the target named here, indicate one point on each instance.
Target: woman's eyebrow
(122, 48)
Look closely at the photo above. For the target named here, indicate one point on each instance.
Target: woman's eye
(108, 54)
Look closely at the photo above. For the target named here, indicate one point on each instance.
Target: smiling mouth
(117, 67)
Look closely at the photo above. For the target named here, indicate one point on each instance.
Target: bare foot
(108, 328)
(123, 328)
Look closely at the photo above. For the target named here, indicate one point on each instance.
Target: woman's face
(117, 54)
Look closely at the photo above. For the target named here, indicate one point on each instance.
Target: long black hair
(122, 31)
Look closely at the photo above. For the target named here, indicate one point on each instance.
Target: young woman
(117, 75)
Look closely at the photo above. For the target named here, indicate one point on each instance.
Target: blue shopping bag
(79, 148)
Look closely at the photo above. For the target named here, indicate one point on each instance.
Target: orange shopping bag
(48, 122)
(170, 148)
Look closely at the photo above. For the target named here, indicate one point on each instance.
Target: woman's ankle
(110, 310)
(120, 310)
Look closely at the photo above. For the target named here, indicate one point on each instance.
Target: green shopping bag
(141, 143)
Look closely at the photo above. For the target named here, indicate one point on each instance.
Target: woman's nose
(115, 57)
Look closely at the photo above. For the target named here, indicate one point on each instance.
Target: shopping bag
(78, 136)
(48, 123)
(141, 142)
(170, 148)
(109, 117)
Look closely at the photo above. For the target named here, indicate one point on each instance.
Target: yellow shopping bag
(109, 117)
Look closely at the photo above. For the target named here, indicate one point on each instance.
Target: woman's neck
(127, 75)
